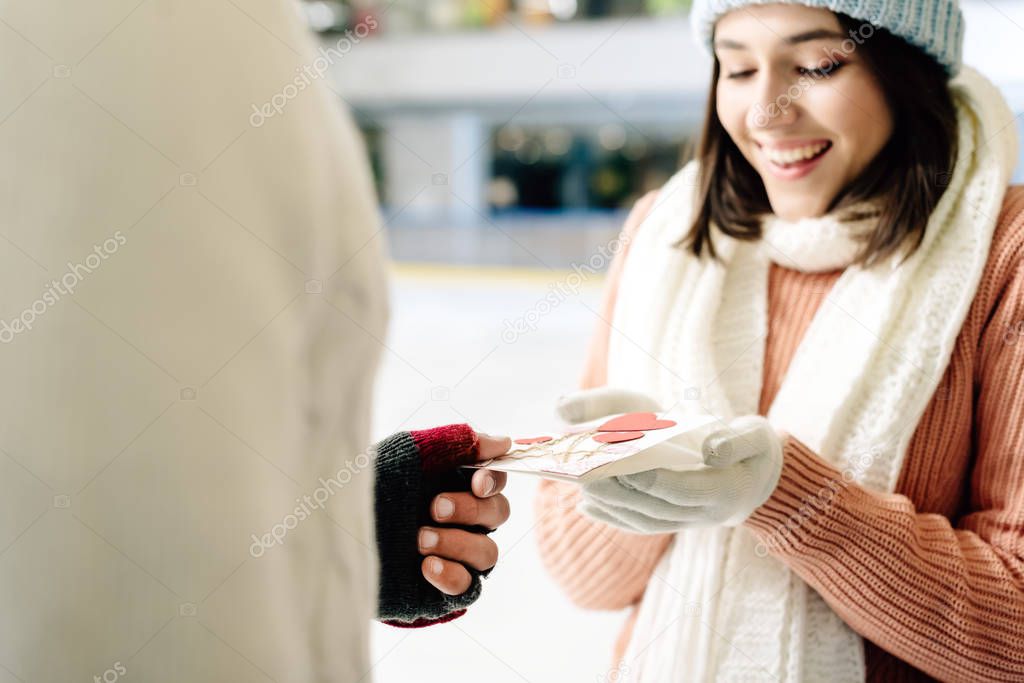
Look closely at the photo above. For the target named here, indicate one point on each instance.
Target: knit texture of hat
(936, 26)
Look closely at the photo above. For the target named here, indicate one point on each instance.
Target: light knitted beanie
(936, 26)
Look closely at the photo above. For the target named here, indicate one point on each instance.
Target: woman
(839, 278)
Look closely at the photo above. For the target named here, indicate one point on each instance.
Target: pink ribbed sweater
(932, 576)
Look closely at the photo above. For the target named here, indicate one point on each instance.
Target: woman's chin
(796, 208)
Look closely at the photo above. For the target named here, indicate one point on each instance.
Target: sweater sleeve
(598, 566)
(945, 596)
(412, 468)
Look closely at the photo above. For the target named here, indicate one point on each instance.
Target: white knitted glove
(744, 462)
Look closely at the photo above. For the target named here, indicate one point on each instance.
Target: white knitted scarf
(691, 332)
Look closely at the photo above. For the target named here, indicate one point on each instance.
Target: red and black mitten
(412, 468)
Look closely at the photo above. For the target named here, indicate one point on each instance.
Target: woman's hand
(447, 552)
(742, 467)
(743, 463)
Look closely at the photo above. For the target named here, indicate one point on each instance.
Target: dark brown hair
(907, 177)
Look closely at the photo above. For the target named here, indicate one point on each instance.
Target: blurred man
(192, 306)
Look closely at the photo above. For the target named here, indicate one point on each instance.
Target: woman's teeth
(793, 155)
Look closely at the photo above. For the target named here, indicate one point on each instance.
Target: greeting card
(611, 446)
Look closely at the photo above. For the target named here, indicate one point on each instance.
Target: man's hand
(431, 574)
(449, 551)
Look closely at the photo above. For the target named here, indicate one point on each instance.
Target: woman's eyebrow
(814, 34)
(726, 44)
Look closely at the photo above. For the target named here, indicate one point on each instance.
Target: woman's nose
(776, 106)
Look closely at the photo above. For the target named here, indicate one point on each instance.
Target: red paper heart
(535, 439)
(635, 422)
(618, 437)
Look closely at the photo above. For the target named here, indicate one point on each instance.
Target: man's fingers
(492, 446)
(465, 508)
(487, 483)
(446, 576)
(475, 550)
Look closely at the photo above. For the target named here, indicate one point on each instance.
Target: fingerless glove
(411, 469)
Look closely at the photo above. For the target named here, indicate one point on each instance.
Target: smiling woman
(828, 113)
(841, 261)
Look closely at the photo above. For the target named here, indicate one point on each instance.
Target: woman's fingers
(590, 404)
(745, 437)
(487, 483)
(465, 508)
(474, 550)
(446, 576)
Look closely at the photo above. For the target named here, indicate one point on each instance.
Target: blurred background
(508, 141)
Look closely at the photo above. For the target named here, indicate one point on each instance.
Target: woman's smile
(793, 159)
